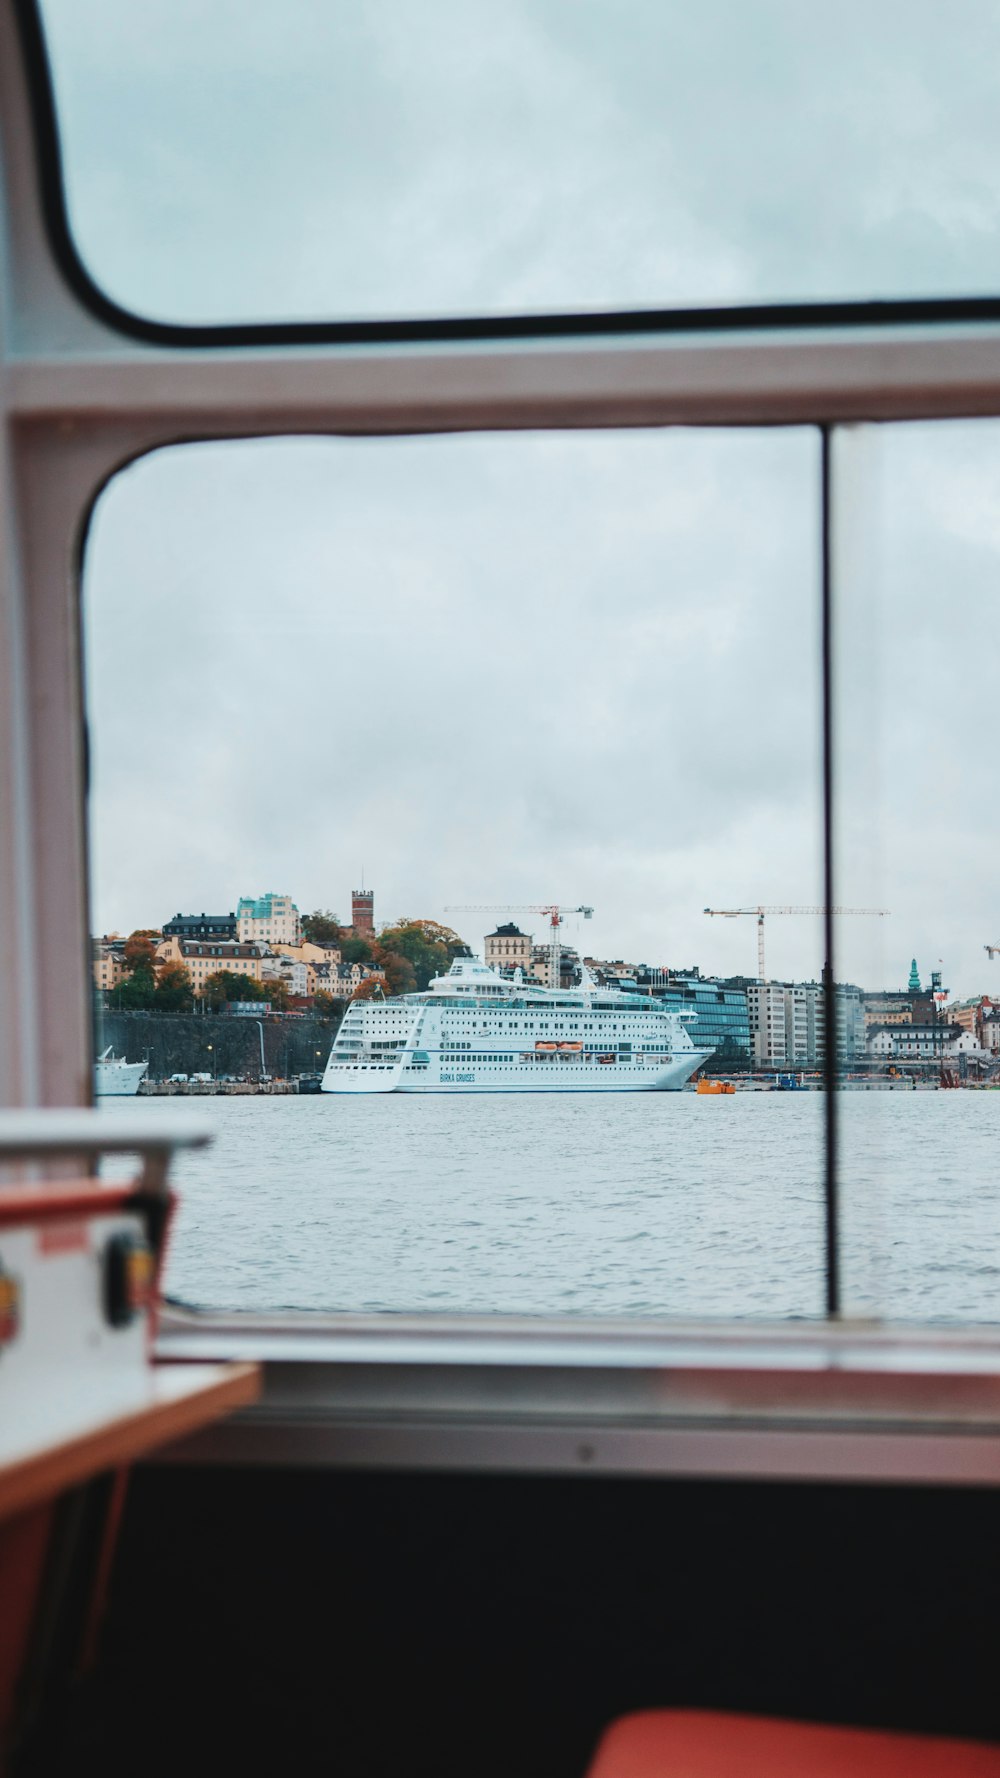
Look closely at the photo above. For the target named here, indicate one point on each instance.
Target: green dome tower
(913, 985)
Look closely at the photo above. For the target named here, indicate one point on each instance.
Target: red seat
(710, 1744)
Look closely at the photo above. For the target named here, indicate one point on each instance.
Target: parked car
(201, 1077)
(178, 1077)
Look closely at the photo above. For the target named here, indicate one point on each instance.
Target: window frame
(84, 391)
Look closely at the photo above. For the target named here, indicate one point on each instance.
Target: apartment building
(202, 959)
(269, 919)
(766, 1013)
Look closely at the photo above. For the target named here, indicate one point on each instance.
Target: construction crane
(759, 913)
(555, 916)
(991, 951)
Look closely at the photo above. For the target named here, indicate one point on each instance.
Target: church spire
(913, 985)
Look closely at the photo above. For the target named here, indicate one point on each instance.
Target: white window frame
(79, 398)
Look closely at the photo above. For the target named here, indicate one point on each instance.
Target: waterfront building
(766, 1010)
(270, 919)
(850, 1016)
(203, 926)
(202, 959)
(887, 1007)
(800, 1023)
(723, 1021)
(990, 1036)
(910, 1006)
(508, 948)
(971, 1014)
(936, 1042)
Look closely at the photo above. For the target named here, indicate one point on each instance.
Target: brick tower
(363, 910)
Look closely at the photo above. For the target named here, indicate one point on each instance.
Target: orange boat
(715, 1086)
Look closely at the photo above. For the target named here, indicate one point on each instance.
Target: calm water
(639, 1204)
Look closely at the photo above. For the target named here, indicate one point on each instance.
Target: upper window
(334, 162)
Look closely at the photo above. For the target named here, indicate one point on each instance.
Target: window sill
(793, 1401)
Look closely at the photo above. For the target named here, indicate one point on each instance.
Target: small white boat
(112, 1074)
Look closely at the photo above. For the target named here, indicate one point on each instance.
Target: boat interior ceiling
(453, 1545)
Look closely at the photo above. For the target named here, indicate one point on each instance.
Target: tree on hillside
(398, 972)
(225, 985)
(137, 987)
(140, 948)
(426, 946)
(356, 950)
(174, 992)
(135, 992)
(321, 927)
(327, 1008)
(374, 987)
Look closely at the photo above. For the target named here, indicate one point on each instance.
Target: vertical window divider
(831, 1182)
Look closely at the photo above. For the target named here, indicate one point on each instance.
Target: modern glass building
(723, 1022)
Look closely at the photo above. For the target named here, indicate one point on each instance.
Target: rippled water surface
(632, 1204)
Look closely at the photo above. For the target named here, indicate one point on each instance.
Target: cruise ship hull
(554, 1077)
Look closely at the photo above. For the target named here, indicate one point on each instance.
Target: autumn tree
(321, 927)
(374, 987)
(140, 949)
(137, 987)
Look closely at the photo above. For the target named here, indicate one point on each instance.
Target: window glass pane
(310, 160)
(917, 574)
(457, 680)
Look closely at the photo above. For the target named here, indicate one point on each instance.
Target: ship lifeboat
(715, 1086)
(607, 1058)
(570, 1049)
(546, 1047)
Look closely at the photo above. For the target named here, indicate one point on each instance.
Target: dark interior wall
(468, 1627)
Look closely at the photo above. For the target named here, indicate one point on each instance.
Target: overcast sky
(574, 667)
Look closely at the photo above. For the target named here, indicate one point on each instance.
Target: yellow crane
(554, 914)
(759, 913)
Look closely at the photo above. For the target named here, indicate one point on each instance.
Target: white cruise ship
(473, 1031)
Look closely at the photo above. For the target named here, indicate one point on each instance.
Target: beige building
(541, 966)
(108, 961)
(269, 920)
(295, 976)
(887, 1009)
(766, 1009)
(341, 980)
(971, 1015)
(315, 958)
(202, 959)
(508, 948)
